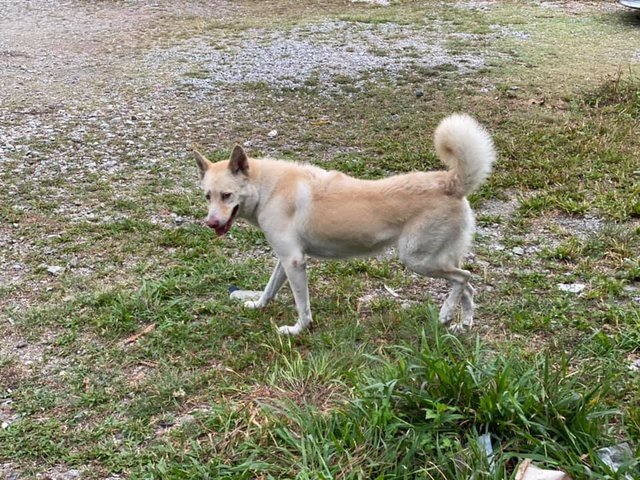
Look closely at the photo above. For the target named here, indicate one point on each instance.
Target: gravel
(384, 3)
(320, 53)
(475, 4)
(571, 287)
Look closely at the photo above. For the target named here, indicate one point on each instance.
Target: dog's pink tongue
(224, 229)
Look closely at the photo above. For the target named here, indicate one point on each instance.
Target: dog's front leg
(296, 270)
(275, 282)
(260, 298)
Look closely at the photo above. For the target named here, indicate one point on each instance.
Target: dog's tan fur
(305, 210)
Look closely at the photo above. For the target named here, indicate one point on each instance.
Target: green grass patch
(134, 362)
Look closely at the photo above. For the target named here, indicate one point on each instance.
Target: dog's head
(225, 187)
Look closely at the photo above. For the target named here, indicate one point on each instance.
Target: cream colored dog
(305, 210)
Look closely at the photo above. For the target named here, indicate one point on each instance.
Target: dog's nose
(212, 223)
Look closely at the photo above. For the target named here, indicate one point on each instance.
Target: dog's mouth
(221, 230)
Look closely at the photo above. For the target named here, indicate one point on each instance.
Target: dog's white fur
(305, 210)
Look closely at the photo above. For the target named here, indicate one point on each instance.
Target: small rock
(272, 134)
(407, 304)
(21, 344)
(419, 93)
(71, 475)
(635, 365)
(244, 295)
(571, 287)
(518, 251)
(55, 269)
(248, 143)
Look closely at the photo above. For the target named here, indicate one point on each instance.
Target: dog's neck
(250, 205)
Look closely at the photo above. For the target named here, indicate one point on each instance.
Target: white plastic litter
(615, 456)
(528, 471)
(484, 441)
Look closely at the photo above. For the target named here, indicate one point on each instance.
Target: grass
(407, 412)
(134, 362)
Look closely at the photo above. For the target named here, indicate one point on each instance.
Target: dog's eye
(225, 196)
(208, 196)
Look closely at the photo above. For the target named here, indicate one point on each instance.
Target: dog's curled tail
(466, 147)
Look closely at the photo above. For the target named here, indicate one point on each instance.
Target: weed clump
(419, 412)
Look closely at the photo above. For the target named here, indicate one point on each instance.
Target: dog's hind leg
(461, 291)
(459, 280)
(467, 306)
(435, 248)
(296, 270)
(275, 282)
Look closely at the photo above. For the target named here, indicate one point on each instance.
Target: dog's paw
(244, 295)
(289, 330)
(252, 304)
(446, 317)
(460, 327)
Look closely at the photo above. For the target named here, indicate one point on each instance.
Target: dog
(305, 210)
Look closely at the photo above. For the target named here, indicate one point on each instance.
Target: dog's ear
(239, 162)
(203, 163)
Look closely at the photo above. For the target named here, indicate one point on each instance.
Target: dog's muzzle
(222, 228)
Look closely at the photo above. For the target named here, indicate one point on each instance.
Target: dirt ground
(95, 96)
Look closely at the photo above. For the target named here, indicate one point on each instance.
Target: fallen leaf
(391, 291)
(133, 338)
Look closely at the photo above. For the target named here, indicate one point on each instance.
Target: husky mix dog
(307, 211)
